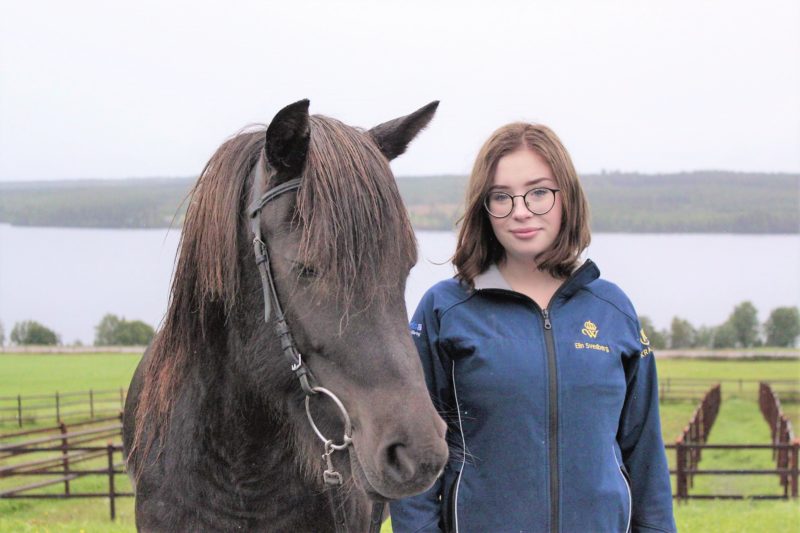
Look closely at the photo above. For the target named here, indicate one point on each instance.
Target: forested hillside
(712, 202)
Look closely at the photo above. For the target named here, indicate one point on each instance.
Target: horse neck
(237, 453)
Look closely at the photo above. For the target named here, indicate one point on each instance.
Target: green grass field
(739, 421)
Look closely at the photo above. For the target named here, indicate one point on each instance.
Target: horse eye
(305, 271)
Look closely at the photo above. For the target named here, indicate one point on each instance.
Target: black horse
(215, 429)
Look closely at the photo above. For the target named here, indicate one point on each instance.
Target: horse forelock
(355, 228)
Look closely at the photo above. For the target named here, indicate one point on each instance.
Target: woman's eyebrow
(528, 183)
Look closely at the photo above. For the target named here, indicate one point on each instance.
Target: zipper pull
(546, 315)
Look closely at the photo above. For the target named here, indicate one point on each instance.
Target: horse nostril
(400, 466)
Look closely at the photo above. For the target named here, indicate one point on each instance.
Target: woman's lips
(525, 233)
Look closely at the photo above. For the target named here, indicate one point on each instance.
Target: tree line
(741, 330)
(110, 331)
(699, 202)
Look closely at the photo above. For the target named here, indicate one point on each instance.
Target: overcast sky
(98, 89)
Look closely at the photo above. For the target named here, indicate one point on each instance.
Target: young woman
(540, 368)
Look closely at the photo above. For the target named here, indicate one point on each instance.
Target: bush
(32, 332)
(115, 331)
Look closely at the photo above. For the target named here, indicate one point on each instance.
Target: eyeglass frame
(514, 196)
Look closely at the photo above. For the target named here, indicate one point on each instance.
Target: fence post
(783, 453)
(794, 466)
(680, 467)
(65, 456)
(111, 490)
(58, 409)
(693, 460)
(19, 409)
(91, 404)
(121, 399)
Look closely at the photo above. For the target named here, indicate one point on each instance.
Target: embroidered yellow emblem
(589, 329)
(643, 338)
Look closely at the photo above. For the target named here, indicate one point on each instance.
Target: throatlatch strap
(376, 519)
(337, 505)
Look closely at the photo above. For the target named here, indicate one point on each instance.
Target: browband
(258, 182)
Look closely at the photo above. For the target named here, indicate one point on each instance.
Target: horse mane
(352, 222)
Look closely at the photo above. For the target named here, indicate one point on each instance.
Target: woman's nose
(519, 210)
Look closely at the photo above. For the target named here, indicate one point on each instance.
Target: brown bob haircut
(478, 248)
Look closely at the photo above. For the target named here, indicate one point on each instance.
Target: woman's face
(523, 234)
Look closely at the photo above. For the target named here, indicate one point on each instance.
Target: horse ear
(287, 139)
(393, 137)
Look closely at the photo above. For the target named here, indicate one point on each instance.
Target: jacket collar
(491, 278)
(583, 274)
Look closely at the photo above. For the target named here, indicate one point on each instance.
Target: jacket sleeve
(642, 446)
(423, 512)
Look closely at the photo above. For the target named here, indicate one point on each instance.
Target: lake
(69, 278)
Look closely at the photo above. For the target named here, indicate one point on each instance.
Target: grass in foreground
(69, 516)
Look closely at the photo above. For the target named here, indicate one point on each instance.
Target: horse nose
(410, 466)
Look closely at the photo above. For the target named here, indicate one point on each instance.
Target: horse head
(340, 251)
(216, 430)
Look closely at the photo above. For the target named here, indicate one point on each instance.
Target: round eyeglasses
(539, 201)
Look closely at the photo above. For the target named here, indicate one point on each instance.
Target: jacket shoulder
(444, 295)
(611, 294)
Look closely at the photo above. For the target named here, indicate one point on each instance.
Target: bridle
(333, 479)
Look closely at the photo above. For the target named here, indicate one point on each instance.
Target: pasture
(739, 421)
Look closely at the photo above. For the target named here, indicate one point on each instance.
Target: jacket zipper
(553, 419)
(553, 398)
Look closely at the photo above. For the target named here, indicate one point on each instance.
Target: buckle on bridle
(296, 366)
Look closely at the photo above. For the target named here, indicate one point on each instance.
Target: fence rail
(59, 407)
(693, 389)
(64, 448)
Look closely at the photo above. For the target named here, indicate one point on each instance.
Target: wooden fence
(695, 433)
(690, 445)
(782, 435)
(21, 410)
(61, 449)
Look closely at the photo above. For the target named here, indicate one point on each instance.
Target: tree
(682, 334)
(115, 331)
(32, 332)
(106, 330)
(725, 336)
(2, 335)
(704, 337)
(783, 326)
(744, 321)
(658, 340)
